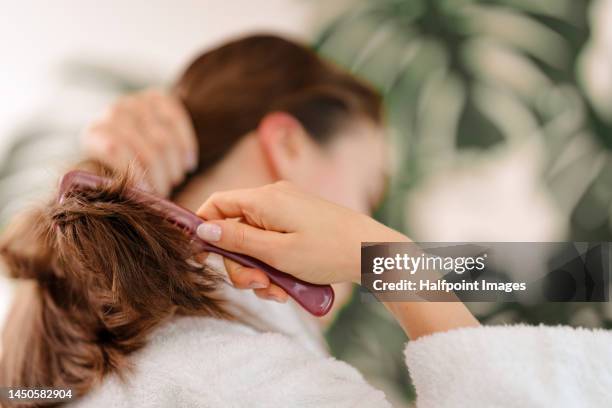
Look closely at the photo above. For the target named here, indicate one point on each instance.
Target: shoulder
(533, 365)
(207, 344)
(221, 363)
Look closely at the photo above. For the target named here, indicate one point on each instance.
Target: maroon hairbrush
(316, 299)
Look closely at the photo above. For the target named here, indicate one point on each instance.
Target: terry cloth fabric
(512, 366)
(205, 362)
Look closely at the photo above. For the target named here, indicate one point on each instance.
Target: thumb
(235, 236)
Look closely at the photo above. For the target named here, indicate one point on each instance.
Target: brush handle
(316, 299)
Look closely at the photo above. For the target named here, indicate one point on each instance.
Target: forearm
(422, 318)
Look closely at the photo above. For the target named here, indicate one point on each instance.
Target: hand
(242, 277)
(316, 241)
(305, 236)
(149, 132)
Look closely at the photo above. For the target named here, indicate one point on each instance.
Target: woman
(108, 278)
(453, 362)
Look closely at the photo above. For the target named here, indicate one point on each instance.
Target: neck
(244, 166)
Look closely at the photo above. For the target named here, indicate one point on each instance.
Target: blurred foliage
(468, 76)
(462, 75)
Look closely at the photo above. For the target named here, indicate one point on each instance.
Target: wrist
(372, 231)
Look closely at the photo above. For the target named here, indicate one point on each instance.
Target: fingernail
(257, 285)
(209, 232)
(192, 161)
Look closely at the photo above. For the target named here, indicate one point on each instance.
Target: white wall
(153, 37)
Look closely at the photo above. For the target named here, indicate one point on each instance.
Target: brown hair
(227, 91)
(104, 270)
(107, 270)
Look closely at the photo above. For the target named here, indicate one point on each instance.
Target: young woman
(114, 308)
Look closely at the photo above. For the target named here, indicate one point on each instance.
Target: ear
(286, 145)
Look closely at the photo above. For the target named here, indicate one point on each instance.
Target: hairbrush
(316, 299)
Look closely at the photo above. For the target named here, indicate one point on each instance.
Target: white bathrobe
(204, 362)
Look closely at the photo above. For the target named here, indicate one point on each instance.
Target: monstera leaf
(465, 76)
(464, 79)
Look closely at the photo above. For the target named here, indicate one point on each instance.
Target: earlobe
(281, 137)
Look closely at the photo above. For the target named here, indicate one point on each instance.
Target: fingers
(272, 292)
(243, 277)
(125, 125)
(170, 125)
(171, 110)
(151, 129)
(243, 238)
(152, 140)
(249, 278)
(160, 138)
(257, 206)
(101, 144)
(170, 128)
(227, 204)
